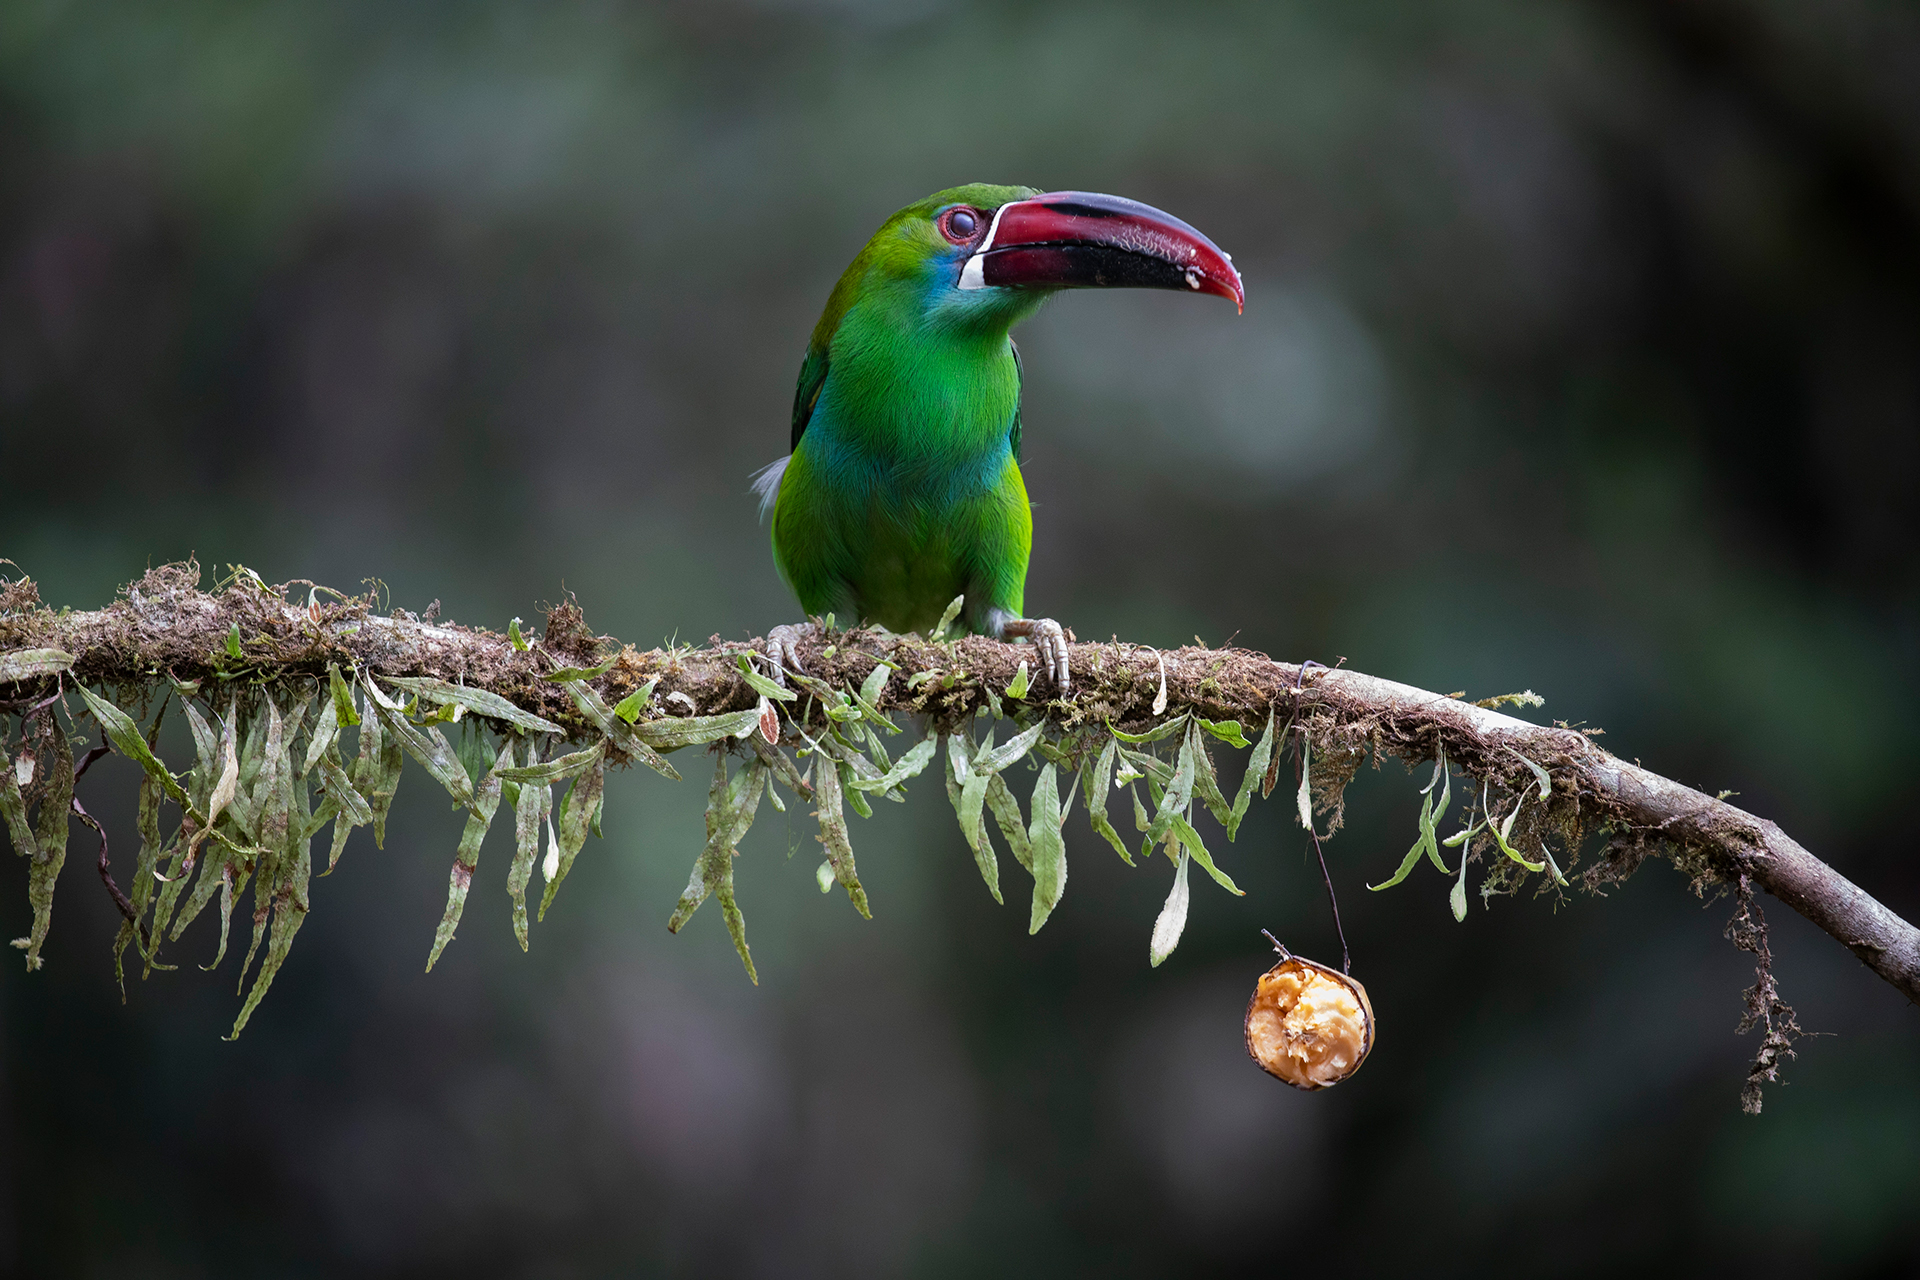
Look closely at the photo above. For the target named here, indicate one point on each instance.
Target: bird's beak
(1080, 240)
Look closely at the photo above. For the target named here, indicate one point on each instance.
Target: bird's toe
(1050, 638)
(783, 649)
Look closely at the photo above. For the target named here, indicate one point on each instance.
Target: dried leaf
(289, 900)
(148, 825)
(342, 696)
(967, 805)
(241, 809)
(325, 730)
(1048, 848)
(13, 807)
(1505, 829)
(876, 682)
(430, 747)
(669, 734)
(273, 802)
(947, 618)
(1178, 794)
(348, 803)
(124, 734)
(1553, 868)
(1457, 897)
(486, 800)
(228, 879)
(991, 759)
(762, 685)
(1228, 731)
(1141, 765)
(577, 811)
(443, 713)
(368, 775)
(478, 701)
(967, 790)
(1191, 842)
(32, 664)
(1155, 734)
(289, 913)
(869, 709)
(296, 716)
(1256, 769)
(1006, 815)
(1546, 782)
(530, 813)
(1419, 846)
(909, 766)
(783, 769)
(568, 675)
(1430, 829)
(630, 707)
(1018, 689)
(206, 746)
(1099, 778)
(1206, 783)
(1172, 921)
(833, 834)
(49, 842)
(171, 882)
(559, 769)
(730, 810)
(1304, 800)
(856, 800)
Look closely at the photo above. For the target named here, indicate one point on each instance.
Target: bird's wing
(1019, 394)
(813, 376)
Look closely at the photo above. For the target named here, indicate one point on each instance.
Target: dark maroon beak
(1080, 240)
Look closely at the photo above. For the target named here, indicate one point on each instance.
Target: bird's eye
(960, 224)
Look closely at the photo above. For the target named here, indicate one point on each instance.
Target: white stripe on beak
(973, 275)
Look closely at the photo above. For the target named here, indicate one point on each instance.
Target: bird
(902, 489)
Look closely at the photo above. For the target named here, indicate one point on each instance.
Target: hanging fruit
(1309, 1025)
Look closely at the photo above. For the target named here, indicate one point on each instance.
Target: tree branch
(1538, 785)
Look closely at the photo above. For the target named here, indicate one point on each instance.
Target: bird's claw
(1050, 638)
(783, 649)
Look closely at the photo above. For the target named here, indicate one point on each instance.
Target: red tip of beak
(1080, 240)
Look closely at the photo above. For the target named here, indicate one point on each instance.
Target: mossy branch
(271, 678)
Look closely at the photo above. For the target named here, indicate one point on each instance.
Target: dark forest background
(1580, 355)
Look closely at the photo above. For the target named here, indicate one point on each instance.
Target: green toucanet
(903, 487)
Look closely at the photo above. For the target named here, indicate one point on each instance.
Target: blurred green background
(1582, 354)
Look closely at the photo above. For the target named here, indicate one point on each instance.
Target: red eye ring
(961, 224)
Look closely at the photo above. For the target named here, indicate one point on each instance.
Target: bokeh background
(1582, 355)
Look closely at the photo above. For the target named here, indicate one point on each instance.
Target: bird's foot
(783, 647)
(1050, 638)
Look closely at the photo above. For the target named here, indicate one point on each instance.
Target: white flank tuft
(766, 483)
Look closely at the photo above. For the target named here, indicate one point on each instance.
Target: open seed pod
(1309, 1025)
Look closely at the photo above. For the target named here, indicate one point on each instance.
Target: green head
(976, 260)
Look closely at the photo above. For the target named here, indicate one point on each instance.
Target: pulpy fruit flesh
(1309, 1025)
